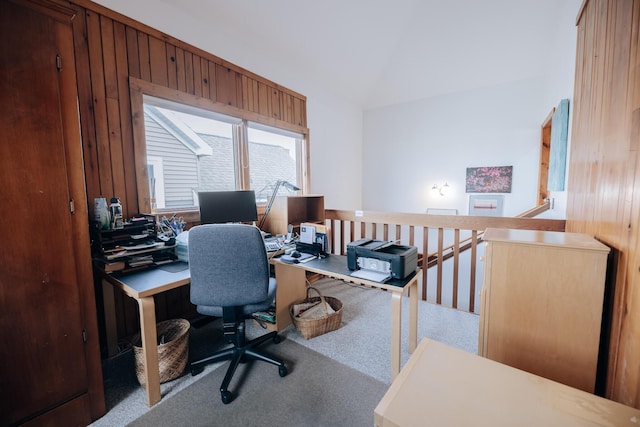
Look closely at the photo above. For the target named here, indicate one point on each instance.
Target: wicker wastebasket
(173, 350)
(326, 322)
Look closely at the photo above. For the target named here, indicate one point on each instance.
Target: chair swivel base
(238, 354)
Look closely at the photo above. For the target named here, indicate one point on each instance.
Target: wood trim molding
(144, 87)
(55, 9)
(581, 10)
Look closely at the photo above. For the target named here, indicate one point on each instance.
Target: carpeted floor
(364, 339)
(318, 391)
(362, 343)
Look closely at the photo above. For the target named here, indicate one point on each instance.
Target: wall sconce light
(443, 190)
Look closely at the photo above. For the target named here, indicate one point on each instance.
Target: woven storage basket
(172, 355)
(310, 328)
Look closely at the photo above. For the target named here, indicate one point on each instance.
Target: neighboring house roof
(268, 164)
(215, 170)
(180, 130)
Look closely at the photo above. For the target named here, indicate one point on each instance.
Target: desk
(445, 386)
(142, 286)
(292, 279)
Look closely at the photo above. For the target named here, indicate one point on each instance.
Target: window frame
(140, 88)
(158, 169)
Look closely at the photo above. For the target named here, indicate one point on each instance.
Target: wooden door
(43, 359)
(545, 149)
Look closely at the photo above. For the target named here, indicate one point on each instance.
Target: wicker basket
(172, 354)
(328, 322)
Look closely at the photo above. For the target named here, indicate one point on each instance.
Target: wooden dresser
(541, 303)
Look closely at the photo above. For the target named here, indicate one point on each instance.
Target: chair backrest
(228, 265)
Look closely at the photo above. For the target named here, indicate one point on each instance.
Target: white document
(374, 276)
(307, 234)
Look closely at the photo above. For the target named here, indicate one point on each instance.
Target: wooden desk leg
(149, 337)
(396, 333)
(413, 315)
(291, 286)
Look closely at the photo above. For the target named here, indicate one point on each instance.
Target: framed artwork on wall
(558, 148)
(486, 205)
(489, 179)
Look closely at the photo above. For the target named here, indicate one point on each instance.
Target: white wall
(410, 147)
(561, 85)
(336, 152)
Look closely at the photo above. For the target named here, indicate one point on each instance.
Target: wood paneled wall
(111, 48)
(604, 178)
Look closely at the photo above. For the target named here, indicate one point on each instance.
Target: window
(156, 182)
(185, 147)
(273, 156)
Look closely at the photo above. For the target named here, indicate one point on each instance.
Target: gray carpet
(318, 391)
(362, 343)
(364, 339)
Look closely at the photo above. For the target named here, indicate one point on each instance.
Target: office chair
(230, 279)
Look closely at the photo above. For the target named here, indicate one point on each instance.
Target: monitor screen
(218, 207)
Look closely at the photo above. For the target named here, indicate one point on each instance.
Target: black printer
(385, 257)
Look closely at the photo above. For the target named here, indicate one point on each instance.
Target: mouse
(295, 254)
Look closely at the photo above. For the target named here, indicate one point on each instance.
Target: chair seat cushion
(209, 310)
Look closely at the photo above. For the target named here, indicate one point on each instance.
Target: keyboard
(273, 245)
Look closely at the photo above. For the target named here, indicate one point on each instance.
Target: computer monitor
(218, 207)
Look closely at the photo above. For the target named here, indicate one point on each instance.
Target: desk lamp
(279, 183)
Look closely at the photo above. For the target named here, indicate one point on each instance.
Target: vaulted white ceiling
(371, 52)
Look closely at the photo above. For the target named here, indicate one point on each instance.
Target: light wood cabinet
(541, 303)
(294, 210)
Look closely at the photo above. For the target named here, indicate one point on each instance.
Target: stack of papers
(141, 260)
(374, 276)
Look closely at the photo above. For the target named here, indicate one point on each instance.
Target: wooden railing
(439, 238)
(467, 244)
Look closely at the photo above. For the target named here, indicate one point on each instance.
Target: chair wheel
(226, 396)
(277, 339)
(282, 370)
